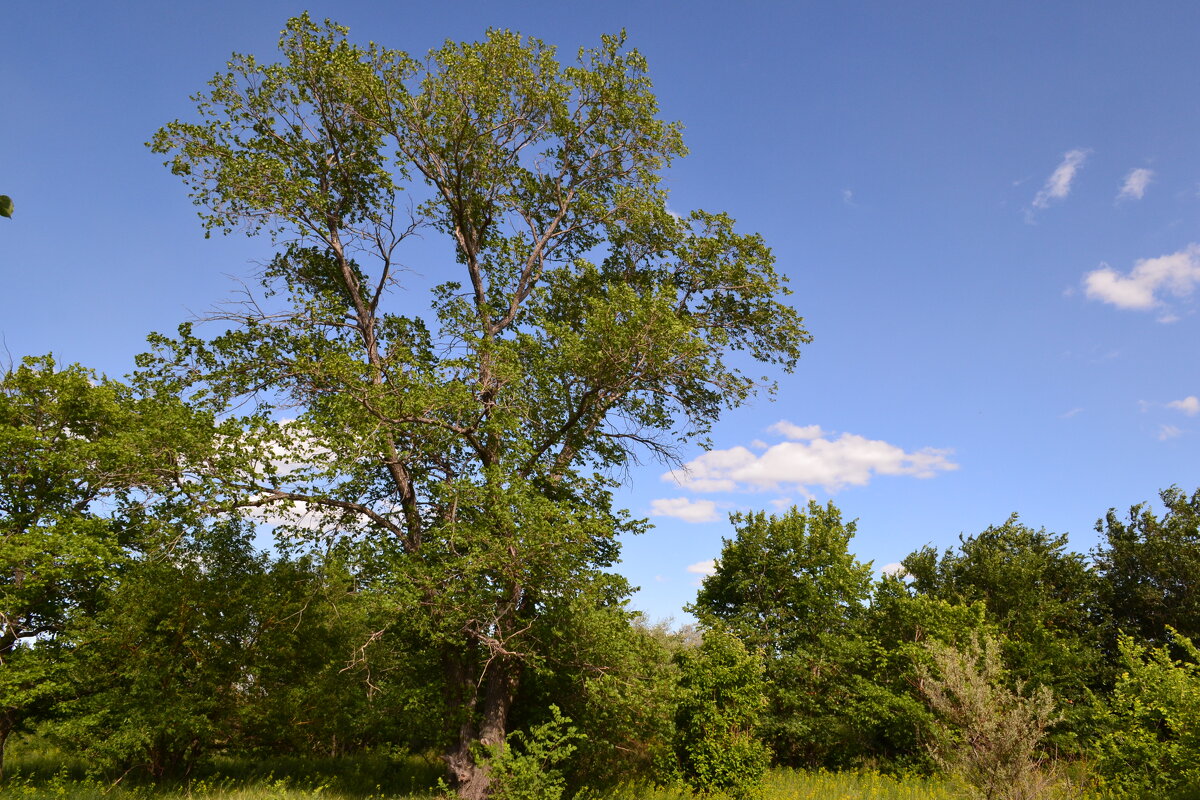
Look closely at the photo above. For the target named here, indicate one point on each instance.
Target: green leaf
(6, 206)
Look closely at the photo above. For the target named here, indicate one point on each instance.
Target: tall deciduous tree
(580, 322)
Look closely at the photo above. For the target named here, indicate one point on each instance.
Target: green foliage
(892, 721)
(162, 661)
(524, 767)
(81, 460)
(789, 585)
(989, 735)
(721, 699)
(1042, 599)
(1152, 747)
(1148, 568)
(616, 680)
(6, 206)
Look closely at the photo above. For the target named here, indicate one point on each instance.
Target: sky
(989, 214)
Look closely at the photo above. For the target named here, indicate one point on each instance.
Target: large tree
(578, 323)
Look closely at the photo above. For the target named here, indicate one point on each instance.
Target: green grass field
(39, 772)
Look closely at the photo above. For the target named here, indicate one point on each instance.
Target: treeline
(858, 670)
(145, 636)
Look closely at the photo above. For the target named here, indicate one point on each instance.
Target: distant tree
(615, 679)
(789, 586)
(163, 660)
(80, 457)
(892, 718)
(1149, 568)
(577, 322)
(6, 206)
(1040, 596)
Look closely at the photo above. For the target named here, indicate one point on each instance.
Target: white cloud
(1135, 184)
(894, 568)
(1188, 405)
(703, 567)
(832, 464)
(796, 432)
(1168, 432)
(1070, 413)
(848, 197)
(1176, 273)
(1058, 185)
(684, 509)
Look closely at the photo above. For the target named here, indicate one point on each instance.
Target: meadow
(38, 771)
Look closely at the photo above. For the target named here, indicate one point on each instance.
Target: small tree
(1148, 568)
(989, 734)
(79, 457)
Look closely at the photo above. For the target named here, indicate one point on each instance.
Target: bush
(988, 736)
(1152, 747)
(523, 768)
(721, 699)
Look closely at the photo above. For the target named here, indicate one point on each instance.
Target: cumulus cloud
(1175, 273)
(1188, 405)
(1058, 185)
(703, 567)
(808, 459)
(684, 509)
(894, 568)
(1135, 184)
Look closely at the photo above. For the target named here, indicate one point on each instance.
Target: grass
(38, 771)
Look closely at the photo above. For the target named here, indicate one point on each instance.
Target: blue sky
(989, 214)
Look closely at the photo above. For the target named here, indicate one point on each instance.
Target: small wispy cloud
(684, 509)
(1070, 413)
(1135, 184)
(848, 197)
(1058, 185)
(1188, 405)
(703, 567)
(1166, 432)
(1175, 273)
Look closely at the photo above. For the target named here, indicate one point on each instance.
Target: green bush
(721, 690)
(1152, 747)
(524, 767)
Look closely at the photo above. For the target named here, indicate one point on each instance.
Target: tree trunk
(470, 778)
(7, 723)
